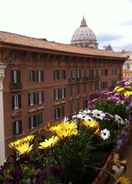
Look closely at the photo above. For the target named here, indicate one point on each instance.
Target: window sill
(59, 102)
(32, 109)
(16, 113)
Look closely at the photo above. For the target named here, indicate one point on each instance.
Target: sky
(56, 20)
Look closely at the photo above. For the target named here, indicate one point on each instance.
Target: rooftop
(19, 41)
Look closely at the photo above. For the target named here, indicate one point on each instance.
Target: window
(97, 85)
(36, 75)
(59, 113)
(104, 85)
(40, 75)
(59, 75)
(106, 72)
(59, 93)
(114, 71)
(35, 120)
(36, 98)
(70, 91)
(73, 74)
(63, 74)
(16, 102)
(91, 74)
(17, 127)
(78, 74)
(97, 73)
(15, 76)
(78, 89)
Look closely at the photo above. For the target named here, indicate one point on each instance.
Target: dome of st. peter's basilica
(84, 36)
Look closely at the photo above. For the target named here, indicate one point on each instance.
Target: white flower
(118, 170)
(80, 116)
(65, 118)
(74, 116)
(86, 111)
(87, 117)
(119, 120)
(98, 114)
(105, 134)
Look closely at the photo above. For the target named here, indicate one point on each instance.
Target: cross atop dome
(83, 22)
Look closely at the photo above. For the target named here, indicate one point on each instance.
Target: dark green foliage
(112, 108)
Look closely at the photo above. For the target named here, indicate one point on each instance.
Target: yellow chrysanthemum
(90, 123)
(65, 129)
(119, 90)
(49, 142)
(122, 180)
(21, 141)
(117, 87)
(127, 93)
(22, 148)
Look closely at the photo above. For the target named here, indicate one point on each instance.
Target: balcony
(15, 86)
(74, 80)
(90, 79)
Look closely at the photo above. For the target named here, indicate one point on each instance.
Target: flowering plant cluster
(70, 151)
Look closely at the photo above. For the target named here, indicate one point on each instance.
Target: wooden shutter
(14, 128)
(29, 122)
(18, 76)
(19, 101)
(13, 102)
(20, 126)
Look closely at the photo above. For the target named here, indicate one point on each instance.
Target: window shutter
(29, 122)
(59, 93)
(34, 98)
(18, 76)
(37, 97)
(34, 121)
(20, 126)
(37, 75)
(62, 111)
(58, 75)
(12, 78)
(30, 75)
(54, 93)
(19, 100)
(33, 76)
(43, 96)
(42, 76)
(53, 75)
(14, 128)
(64, 74)
(55, 114)
(29, 98)
(13, 102)
(64, 92)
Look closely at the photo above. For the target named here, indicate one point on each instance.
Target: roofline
(51, 51)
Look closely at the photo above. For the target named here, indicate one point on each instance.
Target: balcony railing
(15, 86)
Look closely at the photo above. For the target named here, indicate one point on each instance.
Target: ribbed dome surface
(84, 36)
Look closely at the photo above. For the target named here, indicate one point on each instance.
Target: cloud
(128, 46)
(104, 37)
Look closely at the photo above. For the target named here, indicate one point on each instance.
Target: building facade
(42, 81)
(127, 67)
